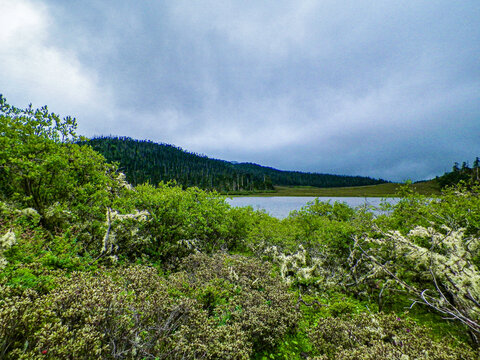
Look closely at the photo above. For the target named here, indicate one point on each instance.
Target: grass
(382, 190)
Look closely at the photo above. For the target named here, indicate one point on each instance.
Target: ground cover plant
(93, 267)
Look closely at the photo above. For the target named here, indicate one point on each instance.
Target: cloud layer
(386, 89)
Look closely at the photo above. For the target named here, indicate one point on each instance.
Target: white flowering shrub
(436, 266)
(30, 213)
(123, 231)
(291, 266)
(380, 336)
(6, 242)
(301, 267)
(122, 183)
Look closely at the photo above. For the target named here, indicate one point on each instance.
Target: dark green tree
(148, 162)
(476, 166)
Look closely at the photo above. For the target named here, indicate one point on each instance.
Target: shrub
(239, 289)
(312, 246)
(380, 337)
(439, 272)
(457, 207)
(217, 308)
(169, 223)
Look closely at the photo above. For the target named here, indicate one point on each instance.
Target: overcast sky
(387, 89)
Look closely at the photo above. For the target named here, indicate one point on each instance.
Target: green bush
(312, 246)
(380, 337)
(219, 307)
(168, 223)
(243, 290)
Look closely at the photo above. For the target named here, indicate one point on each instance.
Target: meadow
(429, 188)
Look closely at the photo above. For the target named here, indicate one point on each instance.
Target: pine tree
(476, 166)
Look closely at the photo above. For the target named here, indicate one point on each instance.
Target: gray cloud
(386, 89)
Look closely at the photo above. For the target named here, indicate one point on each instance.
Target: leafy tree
(41, 166)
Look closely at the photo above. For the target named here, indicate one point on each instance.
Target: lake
(281, 206)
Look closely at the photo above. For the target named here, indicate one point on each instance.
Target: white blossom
(124, 226)
(294, 266)
(121, 179)
(447, 263)
(6, 242)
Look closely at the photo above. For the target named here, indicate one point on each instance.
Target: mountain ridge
(147, 161)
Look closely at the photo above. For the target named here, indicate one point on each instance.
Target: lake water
(281, 206)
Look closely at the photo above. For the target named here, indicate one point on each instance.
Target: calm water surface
(281, 206)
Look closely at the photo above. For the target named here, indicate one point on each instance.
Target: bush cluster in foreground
(380, 336)
(216, 307)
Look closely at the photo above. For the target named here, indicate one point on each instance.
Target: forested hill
(463, 173)
(146, 161)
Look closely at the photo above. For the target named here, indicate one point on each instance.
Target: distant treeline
(461, 173)
(144, 161)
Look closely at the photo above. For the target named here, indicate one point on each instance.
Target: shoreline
(381, 191)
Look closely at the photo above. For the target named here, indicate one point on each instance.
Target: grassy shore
(429, 188)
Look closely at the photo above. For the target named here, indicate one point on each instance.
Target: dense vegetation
(92, 267)
(463, 173)
(145, 161)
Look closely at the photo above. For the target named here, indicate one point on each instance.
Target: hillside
(458, 174)
(149, 162)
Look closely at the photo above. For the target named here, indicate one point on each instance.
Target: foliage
(312, 246)
(145, 161)
(92, 266)
(457, 207)
(444, 276)
(167, 223)
(411, 210)
(41, 167)
(379, 337)
(460, 174)
(327, 225)
(218, 307)
(238, 289)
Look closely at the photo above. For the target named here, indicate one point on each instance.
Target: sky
(386, 89)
